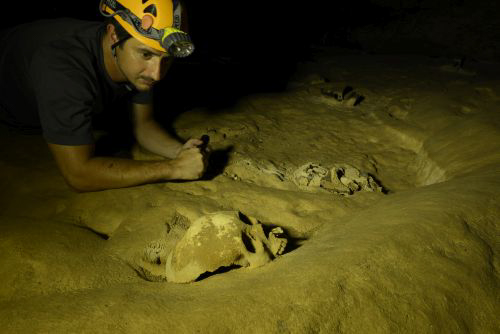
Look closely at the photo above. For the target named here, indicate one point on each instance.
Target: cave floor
(421, 256)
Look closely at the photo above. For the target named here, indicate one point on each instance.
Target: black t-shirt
(52, 76)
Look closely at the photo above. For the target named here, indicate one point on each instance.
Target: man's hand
(192, 159)
(201, 143)
(191, 143)
(190, 164)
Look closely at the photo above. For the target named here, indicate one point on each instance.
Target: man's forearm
(154, 138)
(83, 171)
(99, 173)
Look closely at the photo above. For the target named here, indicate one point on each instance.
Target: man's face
(142, 65)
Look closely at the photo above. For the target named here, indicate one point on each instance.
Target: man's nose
(155, 69)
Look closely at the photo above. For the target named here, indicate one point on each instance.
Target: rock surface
(420, 258)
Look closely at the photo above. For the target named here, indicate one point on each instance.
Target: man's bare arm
(85, 172)
(151, 135)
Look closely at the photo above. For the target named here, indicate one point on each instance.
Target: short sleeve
(65, 91)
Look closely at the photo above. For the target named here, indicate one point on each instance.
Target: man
(60, 74)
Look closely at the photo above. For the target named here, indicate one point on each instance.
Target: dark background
(244, 47)
(248, 28)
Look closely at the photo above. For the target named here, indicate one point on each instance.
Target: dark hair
(121, 33)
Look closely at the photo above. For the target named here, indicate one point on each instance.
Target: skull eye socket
(244, 218)
(340, 173)
(247, 241)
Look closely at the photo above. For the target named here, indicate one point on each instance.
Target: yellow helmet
(155, 23)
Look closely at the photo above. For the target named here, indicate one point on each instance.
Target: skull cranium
(215, 240)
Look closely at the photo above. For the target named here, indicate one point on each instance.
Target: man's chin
(143, 87)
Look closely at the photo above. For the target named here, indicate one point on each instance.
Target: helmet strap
(115, 57)
(113, 47)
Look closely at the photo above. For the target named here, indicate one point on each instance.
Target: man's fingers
(193, 142)
(197, 142)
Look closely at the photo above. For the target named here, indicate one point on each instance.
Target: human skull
(219, 239)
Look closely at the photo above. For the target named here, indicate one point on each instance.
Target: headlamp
(175, 42)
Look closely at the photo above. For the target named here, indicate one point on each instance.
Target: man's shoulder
(78, 48)
(73, 62)
(48, 30)
(67, 34)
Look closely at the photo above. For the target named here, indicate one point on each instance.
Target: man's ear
(110, 29)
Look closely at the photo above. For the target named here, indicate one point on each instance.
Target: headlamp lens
(181, 49)
(177, 43)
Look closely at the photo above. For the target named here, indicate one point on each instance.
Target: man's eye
(146, 55)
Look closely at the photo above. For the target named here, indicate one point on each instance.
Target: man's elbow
(78, 182)
(73, 165)
(77, 186)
